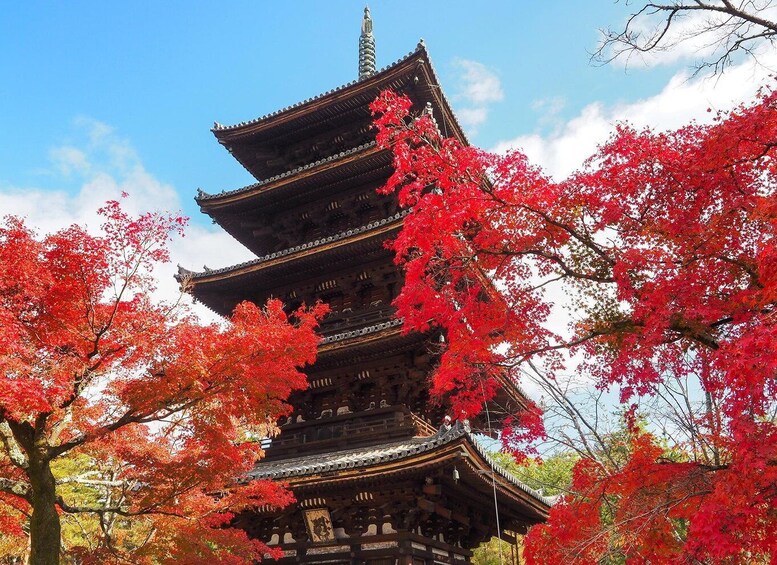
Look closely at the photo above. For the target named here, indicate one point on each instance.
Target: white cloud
(550, 106)
(566, 147)
(471, 118)
(98, 131)
(549, 111)
(105, 166)
(478, 88)
(479, 85)
(69, 160)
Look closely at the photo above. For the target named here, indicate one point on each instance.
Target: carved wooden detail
(325, 216)
(277, 159)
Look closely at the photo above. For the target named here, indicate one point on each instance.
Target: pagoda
(380, 474)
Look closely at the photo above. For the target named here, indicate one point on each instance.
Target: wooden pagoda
(376, 477)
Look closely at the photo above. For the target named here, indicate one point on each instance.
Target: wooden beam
(439, 509)
(432, 489)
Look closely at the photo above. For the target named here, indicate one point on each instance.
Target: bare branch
(18, 488)
(12, 448)
(100, 511)
(728, 28)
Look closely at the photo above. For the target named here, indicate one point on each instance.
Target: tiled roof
(362, 331)
(377, 454)
(203, 196)
(219, 127)
(421, 47)
(182, 272)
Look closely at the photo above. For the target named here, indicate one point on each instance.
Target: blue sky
(160, 73)
(100, 97)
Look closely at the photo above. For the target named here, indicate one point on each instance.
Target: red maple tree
(664, 243)
(159, 414)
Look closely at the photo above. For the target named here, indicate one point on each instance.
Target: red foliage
(666, 243)
(91, 367)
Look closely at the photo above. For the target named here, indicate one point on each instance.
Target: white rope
(493, 483)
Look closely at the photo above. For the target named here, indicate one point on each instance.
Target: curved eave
(415, 70)
(449, 125)
(290, 113)
(513, 392)
(454, 447)
(298, 254)
(375, 344)
(288, 188)
(362, 337)
(258, 193)
(490, 475)
(221, 289)
(238, 211)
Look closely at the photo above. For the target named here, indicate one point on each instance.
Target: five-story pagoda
(376, 480)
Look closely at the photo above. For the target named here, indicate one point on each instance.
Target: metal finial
(366, 47)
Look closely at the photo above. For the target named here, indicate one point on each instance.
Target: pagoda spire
(366, 47)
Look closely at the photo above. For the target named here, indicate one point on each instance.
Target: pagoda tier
(382, 396)
(312, 202)
(370, 385)
(331, 123)
(421, 500)
(351, 271)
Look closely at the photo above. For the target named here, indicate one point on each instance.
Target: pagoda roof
(212, 286)
(232, 209)
(365, 331)
(320, 112)
(284, 255)
(380, 337)
(259, 189)
(385, 457)
(376, 342)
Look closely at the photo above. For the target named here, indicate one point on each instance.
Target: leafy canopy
(664, 243)
(141, 417)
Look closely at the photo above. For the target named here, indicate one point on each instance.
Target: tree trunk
(45, 528)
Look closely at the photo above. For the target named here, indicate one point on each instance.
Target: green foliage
(489, 553)
(551, 476)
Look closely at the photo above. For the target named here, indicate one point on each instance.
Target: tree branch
(15, 454)
(70, 509)
(18, 488)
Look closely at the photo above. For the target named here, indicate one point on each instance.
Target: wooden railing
(344, 321)
(348, 430)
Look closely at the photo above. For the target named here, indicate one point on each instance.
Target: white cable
(493, 481)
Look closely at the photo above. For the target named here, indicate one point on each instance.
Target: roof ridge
(220, 127)
(306, 464)
(362, 331)
(442, 95)
(202, 195)
(496, 466)
(183, 272)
